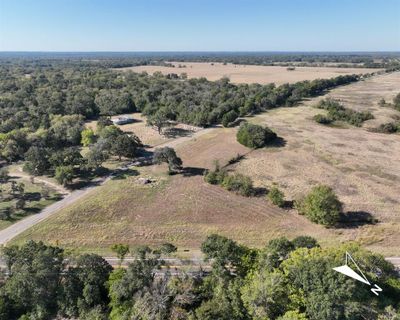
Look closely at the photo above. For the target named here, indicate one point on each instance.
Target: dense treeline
(47, 106)
(284, 280)
(388, 60)
(30, 99)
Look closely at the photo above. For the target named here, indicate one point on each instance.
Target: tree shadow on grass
(237, 122)
(122, 174)
(145, 158)
(176, 132)
(236, 159)
(260, 192)
(32, 196)
(29, 211)
(355, 219)
(278, 142)
(192, 171)
(23, 213)
(88, 178)
(82, 184)
(288, 204)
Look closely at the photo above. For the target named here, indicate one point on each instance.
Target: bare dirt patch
(250, 73)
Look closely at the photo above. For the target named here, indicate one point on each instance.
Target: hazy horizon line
(188, 51)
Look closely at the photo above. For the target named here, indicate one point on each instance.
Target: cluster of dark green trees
(337, 112)
(168, 155)
(388, 61)
(44, 102)
(285, 280)
(255, 136)
(56, 151)
(44, 105)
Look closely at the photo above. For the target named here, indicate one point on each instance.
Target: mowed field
(178, 209)
(250, 74)
(362, 167)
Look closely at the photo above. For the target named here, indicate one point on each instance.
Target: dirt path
(22, 225)
(20, 174)
(71, 197)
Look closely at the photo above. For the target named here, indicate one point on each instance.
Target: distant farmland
(251, 73)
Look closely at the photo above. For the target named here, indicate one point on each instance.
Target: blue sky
(199, 25)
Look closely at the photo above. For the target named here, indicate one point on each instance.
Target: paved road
(395, 261)
(179, 263)
(24, 224)
(176, 266)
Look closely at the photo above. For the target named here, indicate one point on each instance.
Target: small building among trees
(122, 120)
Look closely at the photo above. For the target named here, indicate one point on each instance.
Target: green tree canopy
(255, 136)
(168, 155)
(321, 206)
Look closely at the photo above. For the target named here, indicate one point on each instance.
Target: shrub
(87, 137)
(121, 250)
(254, 136)
(4, 176)
(321, 206)
(238, 183)
(5, 213)
(20, 204)
(322, 119)
(336, 111)
(305, 242)
(391, 127)
(236, 159)
(382, 103)
(168, 248)
(229, 117)
(276, 196)
(215, 176)
(64, 174)
(396, 102)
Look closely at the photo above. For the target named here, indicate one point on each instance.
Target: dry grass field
(179, 209)
(362, 167)
(249, 73)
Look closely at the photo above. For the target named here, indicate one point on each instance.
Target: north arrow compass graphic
(347, 271)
